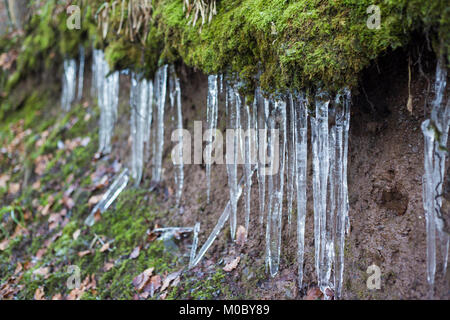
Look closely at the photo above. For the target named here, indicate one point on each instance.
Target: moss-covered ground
(49, 179)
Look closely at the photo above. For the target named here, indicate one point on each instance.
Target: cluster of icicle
(435, 131)
(144, 95)
(69, 83)
(105, 85)
(279, 140)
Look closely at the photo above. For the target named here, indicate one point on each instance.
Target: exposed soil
(385, 187)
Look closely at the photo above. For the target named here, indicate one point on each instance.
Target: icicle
(276, 187)
(319, 139)
(211, 122)
(179, 172)
(161, 87)
(108, 99)
(248, 144)
(435, 132)
(69, 84)
(110, 195)
(232, 155)
(290, 159)
(148, 124)
(81, 74)
(301, 160)
(139, 119)
(328, 260)
(342, 103)
(195, 259)
(263, 116)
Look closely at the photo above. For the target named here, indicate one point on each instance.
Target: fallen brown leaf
(84, 253)
(14, 188)
(39, 294)
(241, 236)
(104, 247)
(232, 264)
(76, 234)
(135, 252)
(142, 279)
(313, 294)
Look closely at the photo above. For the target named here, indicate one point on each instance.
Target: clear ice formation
(160, 97)
(226, 214)
(175, 93)
(118, 185)
(81, 74)
(141, 113)
(435, 131)
(232, 151)
(342, 114)
(277, 152)
(69, 84)
(212, 108)
(300, 114)
(330, 194)
(107, 89)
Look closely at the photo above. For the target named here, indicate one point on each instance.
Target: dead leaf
(169, 279)
(14, 188)
(4, 244)
(232, 264)
(241, 236)
(68, 202)
(94, 200)
(135, 252)
(313, 294)
(108, 266)
(42, 271)
(142, 279)
(76, 234)
(18, 268)
(40, 253)
(57, 296)
(39, 294)
(104, 247)
(81, 254)
(97, 216)
(153, 285)
(3, 180)
(36, 185)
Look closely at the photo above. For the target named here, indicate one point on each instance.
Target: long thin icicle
(161, 88)
(319, 140)
(69, 84)
(276, 187)
(234, 108)
(139, 101)
(342, 103)
(290, 160)
(119, 184)
(435, 132)
(263, 116)
(81, 74)
(248, 145)
(212, 103)
(179, 169)
(301, 160)
(107, 87)
(195, 259)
